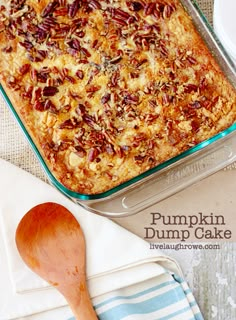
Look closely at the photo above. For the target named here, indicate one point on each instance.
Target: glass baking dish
(173, 175)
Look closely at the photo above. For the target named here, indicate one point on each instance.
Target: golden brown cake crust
(109, 89)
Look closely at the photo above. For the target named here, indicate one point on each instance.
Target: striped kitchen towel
(162, 298)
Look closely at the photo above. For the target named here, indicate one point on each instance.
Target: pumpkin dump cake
(109, 89)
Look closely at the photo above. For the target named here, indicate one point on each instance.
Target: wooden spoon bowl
(51, 242)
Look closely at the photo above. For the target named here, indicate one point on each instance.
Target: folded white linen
(115, 257)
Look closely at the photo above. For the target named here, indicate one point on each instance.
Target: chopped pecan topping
(114, 78)
(7, 49)
(27, 45)
(80, 74)
(131, 99)
(203, 84)
(92, 88)
(105, 98)
(25, 68)
(69, 124)
(93, 153)
(70, 79)
(89, 120)
(110, 149)
(48, 105)
(174, 138)
(195, 125)
(60, 12)
(149, 118)
(85, 52)
(116, 59)
(27, 93)
(191, 59)
(139, 159)
(188, 88)
(195, 105)
(167, 99)
(109, 81)
(80, 151)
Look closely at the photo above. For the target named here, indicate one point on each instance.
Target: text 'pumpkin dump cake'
(109, 89)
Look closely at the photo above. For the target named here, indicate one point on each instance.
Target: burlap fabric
(13, 145)
(207, 8)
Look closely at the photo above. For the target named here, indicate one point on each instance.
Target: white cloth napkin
(115, 257)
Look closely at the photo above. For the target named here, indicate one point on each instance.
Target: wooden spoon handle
(81, 306)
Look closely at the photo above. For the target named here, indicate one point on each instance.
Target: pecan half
(119, 21)
(89, 120)
(94, 4)
(131, 99)
(74, 44)
(49, 91)
(80, 34)
(80, 110)
(73, 8)
(134, 5)
(167, 11)
(27, 45)
(149, 8)
(50, 107)
(49, 9)
(39, 106)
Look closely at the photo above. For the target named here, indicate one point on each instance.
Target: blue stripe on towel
(136, 295)
(197, 317)
(192, 304)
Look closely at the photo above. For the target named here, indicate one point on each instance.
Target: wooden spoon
(51, 243)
